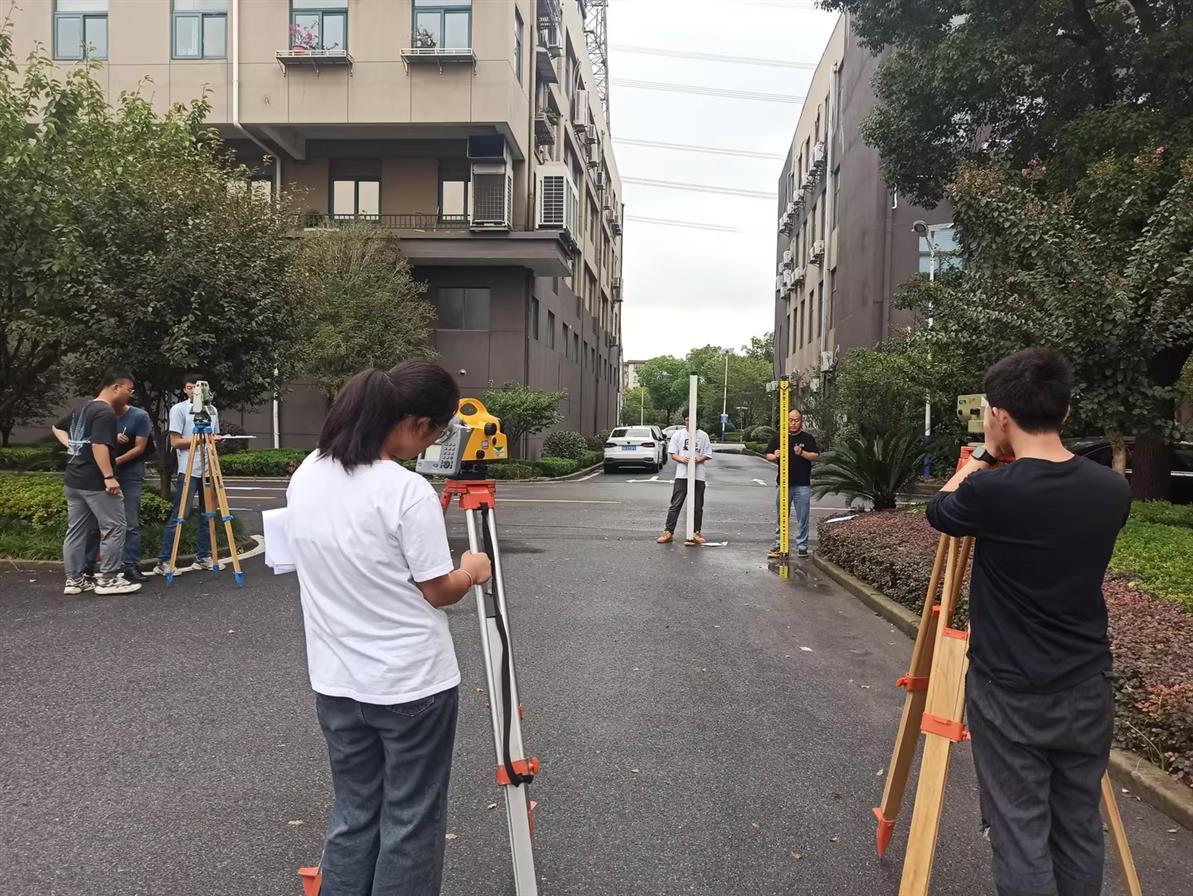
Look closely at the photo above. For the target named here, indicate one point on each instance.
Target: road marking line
(254, 488)
(759, 481)
(552, 501)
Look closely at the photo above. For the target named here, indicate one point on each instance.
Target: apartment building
(468, 129)
(845, 240)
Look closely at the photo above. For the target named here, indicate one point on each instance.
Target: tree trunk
(1118, 453)
(5, 435)
(1151, 469)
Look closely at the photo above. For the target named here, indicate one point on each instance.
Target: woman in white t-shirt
(374, 569)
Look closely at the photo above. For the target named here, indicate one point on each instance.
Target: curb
(1140, 777)
(250, 547)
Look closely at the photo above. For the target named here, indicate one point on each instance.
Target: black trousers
(1040, 760)
(679, 494)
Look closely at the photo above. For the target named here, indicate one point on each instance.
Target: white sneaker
(159, 570)
(78, 586)
(203, 563)
(116, 584)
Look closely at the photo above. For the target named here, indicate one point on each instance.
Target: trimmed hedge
(762, 434)
(570, 445)
(33, 458)
(1152, 639)
(1157, 559)
(261, 462)
(510, 470)
(557, 466)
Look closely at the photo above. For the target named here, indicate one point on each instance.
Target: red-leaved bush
(1152, 639)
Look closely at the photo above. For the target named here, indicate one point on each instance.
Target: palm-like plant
(875, 468)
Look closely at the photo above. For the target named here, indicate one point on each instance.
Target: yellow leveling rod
(784, 473)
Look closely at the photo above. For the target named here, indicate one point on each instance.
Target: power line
(690, 147)
(697, 188)
(670, 222)
(714, 57)
(710, 91)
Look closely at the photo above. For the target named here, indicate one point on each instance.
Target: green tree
(190, 270)
(366, 308)
(45, 272)
(523, 412)
(666, 379)
(1065, 82)
(637, 406)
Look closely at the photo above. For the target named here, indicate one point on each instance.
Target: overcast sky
(685, 287)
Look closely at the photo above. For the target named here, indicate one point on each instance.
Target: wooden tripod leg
(916, 684)
(183, 504)
(1118, 837)
(209, 506)
(221, 495)
(942, 726)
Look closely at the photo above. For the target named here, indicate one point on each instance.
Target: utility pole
(725, 398)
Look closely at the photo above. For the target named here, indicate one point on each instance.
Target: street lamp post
(923, 230)
(725, 397)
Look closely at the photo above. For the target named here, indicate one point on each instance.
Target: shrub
(235, 446)
(263, 462)
(562, 443)
(31, 458)
(1158, 558)
(557, 466)
(762, 434)
(757, 447)
(1163, 512)
(509, 470)
(40, 501)
(595, 443)
(874, 468)
(593, 457)
(1152, 639)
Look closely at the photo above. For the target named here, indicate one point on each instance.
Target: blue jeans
(801, 501)
(390, 767)
(132, 527)
(202, 535)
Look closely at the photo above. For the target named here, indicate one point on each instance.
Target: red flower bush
(1152, 639)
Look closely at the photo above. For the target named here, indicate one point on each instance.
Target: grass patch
(1157, 558)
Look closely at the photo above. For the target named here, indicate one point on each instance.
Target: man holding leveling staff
(1038, 695)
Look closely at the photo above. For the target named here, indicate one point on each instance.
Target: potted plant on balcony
(303, 39)
(424, 39)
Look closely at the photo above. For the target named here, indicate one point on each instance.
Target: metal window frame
(321, 12)
(442, 11)
(83, 17)
(202, 16)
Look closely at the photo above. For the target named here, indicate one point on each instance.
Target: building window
(575, 346)
(200, 29)
(463, 309)
(947, 257)
(551, 329)
(319, 24)
(533, 320)
(443, 23)
(454, 184)
(819, 308)
(518, 44)
(567, 344)
(81, 29)
(356, 198)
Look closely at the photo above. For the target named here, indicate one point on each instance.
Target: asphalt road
(704, 727)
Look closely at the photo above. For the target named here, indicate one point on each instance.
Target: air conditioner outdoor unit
(550, 39)
(558, 201)
(787, 258)
(616, 289)
(492, 196)
(600, 183)
(791, 209)
(488, 148)
(826, 361)
(818, 251)
(780, 284)
(580, 115)
(797, 206)
(818, 155)
(594, 154)
(808, 183)
(785, 224)
(798, 275)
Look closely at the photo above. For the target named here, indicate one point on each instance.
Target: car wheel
(654, 468)
(609, 468)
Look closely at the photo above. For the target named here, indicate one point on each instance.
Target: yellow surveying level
(971, 409)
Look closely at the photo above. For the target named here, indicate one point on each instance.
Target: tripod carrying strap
(517, 772)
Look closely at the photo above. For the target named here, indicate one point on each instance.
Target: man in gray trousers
(93, 497)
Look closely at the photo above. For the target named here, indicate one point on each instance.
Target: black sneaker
(803, 552)
(134, 574)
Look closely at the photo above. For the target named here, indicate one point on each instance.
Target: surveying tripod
(935, 706)
(213, 499)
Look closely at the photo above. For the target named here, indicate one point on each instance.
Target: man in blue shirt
(182, 427)
(133, 429)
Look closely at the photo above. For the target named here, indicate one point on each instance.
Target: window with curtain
(81, 29)
(200, 29)
(462, 308)
(319, 24)
(446, 24)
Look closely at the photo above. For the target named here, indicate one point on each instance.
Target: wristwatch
(984, 456)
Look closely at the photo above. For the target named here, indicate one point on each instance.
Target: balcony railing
(388, 222)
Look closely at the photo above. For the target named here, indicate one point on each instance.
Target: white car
(637, 446)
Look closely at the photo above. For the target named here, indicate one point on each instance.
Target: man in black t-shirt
(93, 498)
(802, 451)
(1039, 701)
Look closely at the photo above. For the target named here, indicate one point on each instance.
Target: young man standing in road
(680, 450)
(132, 441)
(93, 499)
(1038, 694)
(182, 427)
(802, 452)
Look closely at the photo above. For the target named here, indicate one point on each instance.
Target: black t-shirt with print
(800, 467)
(92, 424)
